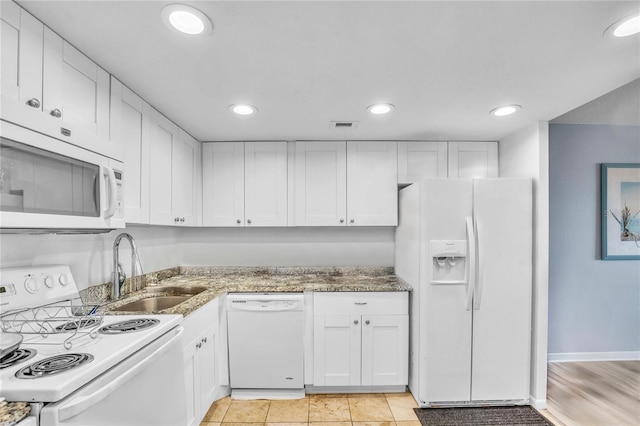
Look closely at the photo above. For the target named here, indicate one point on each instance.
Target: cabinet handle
(34, 103)
(360, 303)
(204, 340)
(367, 322)
(352, 221)
(56, 113)
(198, 345)
(249, 221)
(238, 221)
(341, 220)
(355, 322)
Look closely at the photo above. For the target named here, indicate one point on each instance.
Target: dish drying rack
(69, 318)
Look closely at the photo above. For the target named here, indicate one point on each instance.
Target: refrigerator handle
(471, 264)
(480, 277)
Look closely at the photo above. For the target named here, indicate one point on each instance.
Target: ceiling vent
(344, 124)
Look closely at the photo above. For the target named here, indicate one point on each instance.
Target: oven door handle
(82, 403)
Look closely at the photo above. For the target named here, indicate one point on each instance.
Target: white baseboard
(594, 356)
(538, 404)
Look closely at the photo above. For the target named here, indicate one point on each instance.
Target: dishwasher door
(266, 340)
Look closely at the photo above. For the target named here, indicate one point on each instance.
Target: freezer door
(502, 299)
(445, 322)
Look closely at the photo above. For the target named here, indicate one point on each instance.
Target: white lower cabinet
(361, 339)
(206, 370)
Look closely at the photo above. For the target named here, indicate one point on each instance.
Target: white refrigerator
(465, 246)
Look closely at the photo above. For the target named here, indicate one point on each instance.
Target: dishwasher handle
(264, 306)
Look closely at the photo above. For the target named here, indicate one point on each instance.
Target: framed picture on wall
(620, 211)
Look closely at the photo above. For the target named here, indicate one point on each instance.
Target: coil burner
(16, 357)
(129, 326)
(79, 324)
(53, 365)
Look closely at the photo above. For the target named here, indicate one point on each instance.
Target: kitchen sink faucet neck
(117, 275)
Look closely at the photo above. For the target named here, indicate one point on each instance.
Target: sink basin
(177, 290)
(152, 304)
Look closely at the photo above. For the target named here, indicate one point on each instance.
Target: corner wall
(526, 154)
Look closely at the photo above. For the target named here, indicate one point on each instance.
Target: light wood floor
(579, 394)
(594, 393)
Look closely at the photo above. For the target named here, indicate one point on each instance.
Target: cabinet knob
(355, 322)
(204, 340)
(238, 221)
(182, 220)
(249, 221)
(367, 322)
(176, 219)
(352, 221)
(34, 103)
(56, 113)
(198, 345)
(341, 220)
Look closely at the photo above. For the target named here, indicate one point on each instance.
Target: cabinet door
(163, 134)
(21, 62)
(223, 184)
(265, 185)
(372, 183)
(209, 370)
(75, 89)
(192, 382)
(473, 159)
(320, 183)
(336, 350)
(185, 165)
(420, 160)
(130, 129)
(385, 355)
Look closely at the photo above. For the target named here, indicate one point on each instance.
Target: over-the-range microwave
(47, 185)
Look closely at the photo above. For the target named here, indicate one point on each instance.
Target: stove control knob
(64, 279)
(48, 281)
(32, 285)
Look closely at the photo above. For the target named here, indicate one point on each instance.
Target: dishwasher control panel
(265, 301)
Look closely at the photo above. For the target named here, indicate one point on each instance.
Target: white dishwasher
(266, 345)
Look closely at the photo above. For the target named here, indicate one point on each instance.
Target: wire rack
(68, 320)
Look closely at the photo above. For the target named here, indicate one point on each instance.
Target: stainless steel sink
(177, 290)
(152, 304)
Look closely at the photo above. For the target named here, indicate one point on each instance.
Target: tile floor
(394, 409)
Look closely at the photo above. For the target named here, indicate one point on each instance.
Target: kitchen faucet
(118, 276)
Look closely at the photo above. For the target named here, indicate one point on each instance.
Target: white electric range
(80, 366)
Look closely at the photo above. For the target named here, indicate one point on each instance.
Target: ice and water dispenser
(449, 261)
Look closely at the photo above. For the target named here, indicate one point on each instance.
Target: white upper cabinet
(372, 183)
(346, 183)
(130, 121)
(320, 183)
(421, 160)
(245, 184)
(21, 67)
(51, 87)
(473, 159)
(223, 184)
(174, 174)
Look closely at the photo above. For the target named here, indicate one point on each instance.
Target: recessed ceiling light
(505, 110)
(243, 109)
(627, 26)
(186, 19)
(380, 108)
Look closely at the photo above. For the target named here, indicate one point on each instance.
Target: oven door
(145, 389)
(49, 184)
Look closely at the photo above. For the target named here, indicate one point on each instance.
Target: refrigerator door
(502, 298)
(445, 322)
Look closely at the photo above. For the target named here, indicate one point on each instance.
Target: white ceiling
(303, 64)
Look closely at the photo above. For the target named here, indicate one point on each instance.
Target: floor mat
(478, 416)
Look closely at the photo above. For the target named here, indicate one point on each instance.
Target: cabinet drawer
(380, 303)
